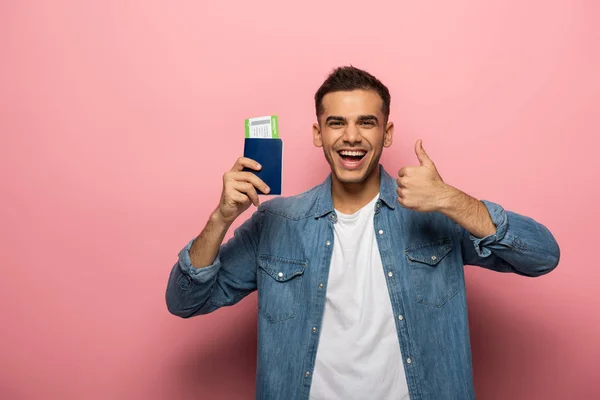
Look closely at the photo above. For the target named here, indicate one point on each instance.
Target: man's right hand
(239, 189)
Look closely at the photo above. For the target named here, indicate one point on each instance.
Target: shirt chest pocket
(279, 283)
(433, 274)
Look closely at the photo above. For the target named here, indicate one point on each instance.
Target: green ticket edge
(275, 126)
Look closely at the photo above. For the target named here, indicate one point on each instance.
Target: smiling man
(360, 280)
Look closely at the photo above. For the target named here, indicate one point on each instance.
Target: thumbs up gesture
(421, 188)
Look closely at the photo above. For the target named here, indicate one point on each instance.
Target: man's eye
(335, 123)
(367, 123)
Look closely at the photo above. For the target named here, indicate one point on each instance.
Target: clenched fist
(239, 189)
(421, 188)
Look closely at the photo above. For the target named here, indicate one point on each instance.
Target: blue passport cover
(269, 154)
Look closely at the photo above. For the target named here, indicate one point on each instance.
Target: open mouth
(352, 159)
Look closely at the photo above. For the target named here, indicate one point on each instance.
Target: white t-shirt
(359, 354)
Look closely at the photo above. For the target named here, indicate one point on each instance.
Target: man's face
(352, 132)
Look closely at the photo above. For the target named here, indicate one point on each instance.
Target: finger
(247, 189)
(401, 201)
(421, 154)
(401, 182)
(245, 176)
(406, 171)
(238, 197)
(245, 162)
(406, 203)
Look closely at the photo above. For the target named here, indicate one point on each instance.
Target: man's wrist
(450, 199)
(467, 211)
(217, 220)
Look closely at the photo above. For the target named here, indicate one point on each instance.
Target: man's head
(352, 126)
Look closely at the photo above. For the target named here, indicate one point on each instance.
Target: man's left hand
(422, 188)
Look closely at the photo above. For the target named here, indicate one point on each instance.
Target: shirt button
(433, 258)
(408, 361)
(280, 274)
(400, 317)
(320, 286)
(307, 374)
(328, 243)
(381, 231)
(390, 274)
(314, 329)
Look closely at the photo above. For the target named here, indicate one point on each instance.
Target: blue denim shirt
(284, 250)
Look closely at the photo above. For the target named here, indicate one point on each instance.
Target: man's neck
(351, 197)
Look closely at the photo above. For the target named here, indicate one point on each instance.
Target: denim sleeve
(520, 245)
(231, 276)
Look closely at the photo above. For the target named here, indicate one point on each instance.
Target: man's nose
(352, 134)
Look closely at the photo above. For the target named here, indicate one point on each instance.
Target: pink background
(118, 119)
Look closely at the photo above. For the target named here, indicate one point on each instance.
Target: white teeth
(353, 153)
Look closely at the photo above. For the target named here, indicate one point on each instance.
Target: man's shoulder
(294, 207)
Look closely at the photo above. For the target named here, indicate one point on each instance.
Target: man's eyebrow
(335, 118)
(364, 118)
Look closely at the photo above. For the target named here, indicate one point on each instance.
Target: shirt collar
(387, 190)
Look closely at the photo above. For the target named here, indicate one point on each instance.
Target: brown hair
(350, 78)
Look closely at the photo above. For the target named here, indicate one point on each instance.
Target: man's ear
(388, 135)
(317, 140)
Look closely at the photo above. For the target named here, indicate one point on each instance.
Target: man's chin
(351, 176)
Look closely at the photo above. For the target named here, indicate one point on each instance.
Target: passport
(263, 145)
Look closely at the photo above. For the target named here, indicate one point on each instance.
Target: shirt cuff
(500, 219)
(199, 275)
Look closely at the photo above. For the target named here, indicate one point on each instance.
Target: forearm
(207, 244)
(502, 240)
(226, 274)
(468, 212)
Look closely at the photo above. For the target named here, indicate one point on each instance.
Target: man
(361, 291)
